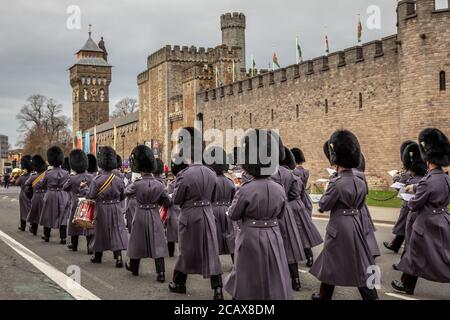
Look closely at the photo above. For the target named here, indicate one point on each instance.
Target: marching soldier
(303, 174)
(108, 192)
(78, 162)
(24, 201)
(159, 172)
(427, 253)
(194, 192)
(225, 190)
(147, 239)
(54, 209)
(400, 226)
(35, 190)
(346, 256)
(260, 270)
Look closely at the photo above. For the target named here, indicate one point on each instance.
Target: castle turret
(233, 33)
(424, 64)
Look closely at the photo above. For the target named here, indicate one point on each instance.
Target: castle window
(442, 81)
(297, 111)
(272, 114)
(326, 105)
(360, 100)
(250, 118)
(231, 122)
(441, 4)
(214, 124)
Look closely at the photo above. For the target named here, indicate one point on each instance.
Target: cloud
(37, 48)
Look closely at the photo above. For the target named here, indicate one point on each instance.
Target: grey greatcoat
(172, 216)
(147, 239)
(368, 225)
(72, 186)
(55, 209)
(36, 194)
(198, 246)
(225, 231)
(260, 270)
(303, 174)
(130, 207)
(346, 256)
(428, 252)
(400, 226)
(24, 201)
(110, 230)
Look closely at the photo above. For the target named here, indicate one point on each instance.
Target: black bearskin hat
(403, 147)
(55, 156)
(413, 161)
(119, 162)
(38, 164)
(78, 161)
(298, 155)
(344, 149)
(289, 160)
(435, 147)
(142, 159)
(92, 160)
(257, 142)
(25, 163)
(216, 159)
(190, 142)
(326, 151)
(66, 164)
(159, 168)
(362, 164)
(177, 165)
(107, 158)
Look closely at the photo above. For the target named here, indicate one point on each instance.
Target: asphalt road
(20, 279)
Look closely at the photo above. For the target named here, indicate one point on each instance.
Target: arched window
(200, 122)
(442, 81)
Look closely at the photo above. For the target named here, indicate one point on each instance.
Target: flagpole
(296, 51)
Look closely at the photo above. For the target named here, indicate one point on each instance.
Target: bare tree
(125, 106)
(42, 125)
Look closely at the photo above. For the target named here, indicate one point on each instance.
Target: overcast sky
(36, 47)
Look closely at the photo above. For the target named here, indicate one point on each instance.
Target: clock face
(94, 92)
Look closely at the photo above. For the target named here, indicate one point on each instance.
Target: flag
(79, 140)
(114, 137)
(94, 142)
(360, 29)
(217, 76)
(327, 45)
(253, 66)
(87, 142)
(275, 61)
(299, 51)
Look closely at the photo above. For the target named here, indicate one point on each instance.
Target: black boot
(133, 266)
(218, 294)
(33, 228)
(309, 257)
(326, 292)
(97, 257)
(73, 243)
(178, 284)
(295, 277)
(406, 285)
(118, 257)
(395, 244)
(171, 248)
(160, 269)
(46, 236)
(368, 294)
(23, 225)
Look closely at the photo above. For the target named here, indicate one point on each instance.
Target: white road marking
(5, 197)
(400, 296)
(303, 271)
(12, 200)
(65, 282)
(378, 224)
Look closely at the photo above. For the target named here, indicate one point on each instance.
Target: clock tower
(90, 77)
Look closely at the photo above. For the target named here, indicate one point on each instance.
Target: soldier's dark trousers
(117, 254)
(34, 228)
(171, 248)
(47, 232)
(180, 278)
(23, 224)
(74, 242)
(327, 290)
(89, 241)
(308, 253)
(293, 271)
(63, 232)
(409, 281)
(396, 244)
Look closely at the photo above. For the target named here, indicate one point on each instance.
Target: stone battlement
(385, 48)
(232, 20)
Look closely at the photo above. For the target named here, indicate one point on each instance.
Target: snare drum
(84, 215)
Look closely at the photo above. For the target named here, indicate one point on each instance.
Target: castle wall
(307, 102)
